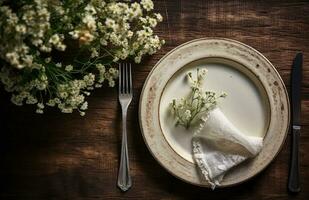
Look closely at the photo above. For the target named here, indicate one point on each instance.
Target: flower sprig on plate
(189, 109)
(55, 52)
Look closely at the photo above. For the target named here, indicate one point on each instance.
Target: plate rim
(227, 40)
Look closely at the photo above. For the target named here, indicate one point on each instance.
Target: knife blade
(296, 79)
(296, 88)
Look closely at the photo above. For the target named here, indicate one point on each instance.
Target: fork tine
(130, 75)
(119, 78)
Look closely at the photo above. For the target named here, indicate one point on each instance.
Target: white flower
(130, 34)
(61, 47)
(204, 72)
(31, 100)
(40, 105)
(187, 115)
(69, 68)
(113, 71)
(84, 106)
(135, 10)
(152, 22)
(98, 85)
(45, 49)
(147, 4)
(94, 53)
(39, 111)
(159, 17)
(67, 110)
(89, 79)
(28, 59)
(103, 42)
(47, 60)
(110, 23)
(13, 58)
(74, 34)
(89, 20)
(51, 103)
(100, 67)
(55, 39)
(21, 28)
(138, 59)
(111, 83)
(89, 8)
(36, 42)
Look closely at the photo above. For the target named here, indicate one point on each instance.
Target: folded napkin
(218, 146)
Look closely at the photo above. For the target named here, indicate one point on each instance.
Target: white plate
(257, 103)
(246, 104)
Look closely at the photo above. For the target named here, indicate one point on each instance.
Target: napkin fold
(218, 146)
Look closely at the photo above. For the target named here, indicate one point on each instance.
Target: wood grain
(57, 156)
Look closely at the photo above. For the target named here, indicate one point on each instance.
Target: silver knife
(293, 182)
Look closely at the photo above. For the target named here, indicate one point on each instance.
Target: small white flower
(152, 22)
(204, 72)
(45, 48)
(31, 100)
(110, 23)
(147, 4)
(90, 9)
(51, 103)
(89, 20)
(98, 85)
(47, 60)
(74, 34)
(138, 59)
(111, 83)
(84, 106)
(69, 68)
(21, 29)
(100, 67)
(159, 17)
(55, 39)
(94, 53)
(187, 115)
(39, 111)
(67, 110)
(61, 47)
(130, 34)
(40, 105)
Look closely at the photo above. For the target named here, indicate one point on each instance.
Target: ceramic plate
(257, 104)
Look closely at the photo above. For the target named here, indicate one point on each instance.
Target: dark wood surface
(58, 156)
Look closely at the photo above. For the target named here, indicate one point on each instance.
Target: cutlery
(125, 97)
(293, 182)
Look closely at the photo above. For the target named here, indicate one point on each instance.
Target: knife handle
(293, 183)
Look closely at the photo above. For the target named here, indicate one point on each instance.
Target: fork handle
(124, 179)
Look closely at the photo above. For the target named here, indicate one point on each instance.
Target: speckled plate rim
(199, 49)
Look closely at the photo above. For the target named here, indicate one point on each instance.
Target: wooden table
(57, 156)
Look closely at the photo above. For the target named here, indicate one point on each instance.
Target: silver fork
(125, 97)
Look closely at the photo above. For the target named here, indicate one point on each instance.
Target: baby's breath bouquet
(54, 52)
(189, 109)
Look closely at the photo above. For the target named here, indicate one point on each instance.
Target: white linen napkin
(218, 146)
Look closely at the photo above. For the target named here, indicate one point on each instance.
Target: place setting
(213, 112)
